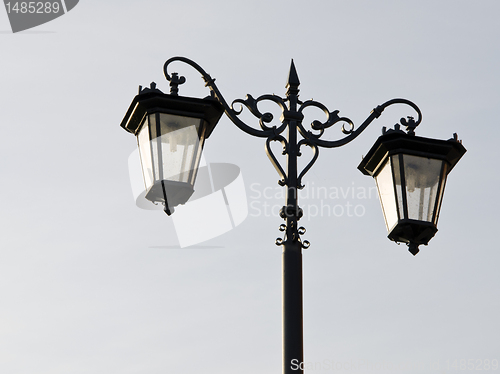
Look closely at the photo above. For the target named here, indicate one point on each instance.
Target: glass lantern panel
(180, 145)
(387, 196)
(422, 176)
(145, 153)
(441, 192)
(153, 128)
(396, 170)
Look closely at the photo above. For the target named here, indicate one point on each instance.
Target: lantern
(170, 131)
(410, 173)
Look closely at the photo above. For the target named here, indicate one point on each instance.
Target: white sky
(89, 283)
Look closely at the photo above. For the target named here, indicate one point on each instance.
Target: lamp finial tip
(293, 78)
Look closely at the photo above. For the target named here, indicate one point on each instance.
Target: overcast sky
(91, 283)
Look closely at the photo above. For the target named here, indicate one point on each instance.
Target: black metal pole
(293, 349)
(293, 346)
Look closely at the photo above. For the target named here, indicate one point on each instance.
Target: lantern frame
(397, 143)
(152, 101)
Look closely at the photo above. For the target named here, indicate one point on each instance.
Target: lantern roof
(397, 141)
(152, 100)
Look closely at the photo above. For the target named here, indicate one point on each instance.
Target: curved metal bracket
(214, 91)
(333, 118)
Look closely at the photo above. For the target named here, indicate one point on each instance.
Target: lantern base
(177, 193)
(413, 232)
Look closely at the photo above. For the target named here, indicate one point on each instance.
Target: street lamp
(170, 131)
(410, 171)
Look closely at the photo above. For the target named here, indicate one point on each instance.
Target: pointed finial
(293, 78)
(292, 85)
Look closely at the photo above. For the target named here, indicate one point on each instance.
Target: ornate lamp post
(410, 171)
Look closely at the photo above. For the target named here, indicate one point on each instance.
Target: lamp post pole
(410, 229)
(293, 346)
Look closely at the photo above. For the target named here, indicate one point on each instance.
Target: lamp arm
(232, 114)
(313, 139)
(353, 134)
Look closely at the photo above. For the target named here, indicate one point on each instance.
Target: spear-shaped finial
(292, 85)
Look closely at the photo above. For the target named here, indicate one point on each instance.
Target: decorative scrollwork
(376, 112)
(351, 126)
(295, 236)
(352, 132)
(215, 93)
(331, 119)
(277, 138)
(252, 104)
(315, 149)
(280, 241)
(266, 131)
(305, 244)
(292, 234)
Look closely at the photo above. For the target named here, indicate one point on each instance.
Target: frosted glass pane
(397, 182)
(422, 177)
(179, 146)
(441, 192)
(154, 147)
(385, 188)
(145, 153)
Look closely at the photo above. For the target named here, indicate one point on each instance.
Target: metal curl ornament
(216, 94)
(310, 164)
(274, 161)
